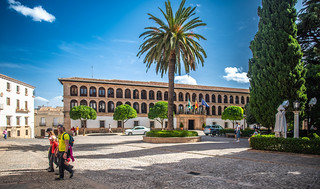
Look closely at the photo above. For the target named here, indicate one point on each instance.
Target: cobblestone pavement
(117, 161)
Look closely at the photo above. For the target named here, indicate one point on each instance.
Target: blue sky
(41, 41)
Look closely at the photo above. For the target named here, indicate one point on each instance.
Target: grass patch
(174, 133)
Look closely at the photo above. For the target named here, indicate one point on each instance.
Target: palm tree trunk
(171, 71)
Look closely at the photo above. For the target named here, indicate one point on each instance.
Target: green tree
(171, 40)
(124, 113)
(232, 113)
(275, 71)
(249, 115)
(309, 39)
(159, 112)
(83, 113)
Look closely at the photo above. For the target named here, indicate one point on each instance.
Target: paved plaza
(117, 161)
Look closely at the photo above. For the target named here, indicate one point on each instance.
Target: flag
(204, 103)
(189, 104)
(196, 106)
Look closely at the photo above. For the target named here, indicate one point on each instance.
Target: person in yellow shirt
(63, 153)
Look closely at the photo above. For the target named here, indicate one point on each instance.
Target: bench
(230, 135)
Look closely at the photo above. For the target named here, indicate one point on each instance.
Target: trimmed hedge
(174, 133)
(294, 145)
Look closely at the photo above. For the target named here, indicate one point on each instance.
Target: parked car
(212, 129)
(137, 130)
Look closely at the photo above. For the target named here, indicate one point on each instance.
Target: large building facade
(16, 107)
(105, 95)
(47, 117)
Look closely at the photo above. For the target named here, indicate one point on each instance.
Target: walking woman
(238, 132)
(51, 151)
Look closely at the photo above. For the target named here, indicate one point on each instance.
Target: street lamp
(296, 106)
(312, 102)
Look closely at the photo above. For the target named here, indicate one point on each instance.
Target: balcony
(42, 124)
(22, 111)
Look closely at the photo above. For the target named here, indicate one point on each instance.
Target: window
(214, 123)
(26, 120)
(151, 105)
(135, 123)
(73, 90)
(180, 96)
(166, 95)
(242, 100)
(8, 120)
(27, 132)
(110, 106)
(83, 91)
(225, 99)
(159, 95)
(207, 98)
(8, 86)
(119, 93)
(26, 91)
(144, 108)
(127, 93)
(102, 124)
(42, 121)
(18, 89)
(219, 99)
(110, 93)
(18, 132)
(231, 100)
(194, 96)
(200, 97)
(151, 95)
(248, 99)
(136, 106)
(83, 102)
(128, 103)
(237, 100)
(219, 110)
(151, 124)
(119, 104)
(143, 94)
(55, 121)
(102, 92)
(213, 98)
(187, 97)
(93, 105)
(8, 101)
(225, 124)
(102, 106)
(73, 103)
(26, 105)
(18, 120)
(18, 104)
(93, 92)
(119, 125)
(135, 94)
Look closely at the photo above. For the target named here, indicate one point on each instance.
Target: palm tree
(171, 41)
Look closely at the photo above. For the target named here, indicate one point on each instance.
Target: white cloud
(124, 41)
(185, 79)
(40, 101)
(10, 65)
(235, 74)
(37, 13)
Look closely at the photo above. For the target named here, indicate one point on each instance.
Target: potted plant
(181, 126)
(203, 126)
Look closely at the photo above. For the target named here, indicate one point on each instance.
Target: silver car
(137, 130)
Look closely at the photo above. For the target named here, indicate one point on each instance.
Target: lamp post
(312, 102)
(296, 106)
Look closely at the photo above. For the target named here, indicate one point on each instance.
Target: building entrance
(191, 125)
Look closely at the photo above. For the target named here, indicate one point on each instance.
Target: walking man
(63, 153)
(5, 134)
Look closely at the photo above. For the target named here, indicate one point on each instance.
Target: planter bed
(171, 139)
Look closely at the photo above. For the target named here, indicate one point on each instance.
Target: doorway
(191, 125)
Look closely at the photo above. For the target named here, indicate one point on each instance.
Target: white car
(137, 130)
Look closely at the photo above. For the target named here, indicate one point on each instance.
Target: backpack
(71, 140)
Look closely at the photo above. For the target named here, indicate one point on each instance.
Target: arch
(231, 99)
(194, 97)
(248, 100)
(166, 95)
(207, 98)
(180, 108)
(136, 94)
(73, 103)
(102, 106)
(213, 108)
(213, 98)
(225, 99)
(237, 100)
(83, 91)
(118, 104)
(219, 110)
(174, 97)
(159, 95)
(110, 93)
(83, 102)
(208, 110)
(224, 108)
(119, 93)
(187, 97)
(127, 93)
(102, 92)
(151, 95)
(242, 100)
(92, 92)
(180, 96)
(110, 106)
(143, 94)
(93, 105)
(136, 106)
(151, 105)
(200, 97)
(128, 103)
(73, 90)
(219, 99)
(144, 108)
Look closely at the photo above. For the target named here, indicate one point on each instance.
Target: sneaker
(71, 174)
(238, 141)
(59, 178)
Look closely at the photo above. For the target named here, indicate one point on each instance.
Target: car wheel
(130, 133)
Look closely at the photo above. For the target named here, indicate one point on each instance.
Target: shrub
(224, 131)
(293, 145)
(245, 132)
(174, 133)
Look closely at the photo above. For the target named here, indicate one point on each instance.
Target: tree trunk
(171, 71)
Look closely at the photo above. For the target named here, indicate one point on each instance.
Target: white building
(16, 108)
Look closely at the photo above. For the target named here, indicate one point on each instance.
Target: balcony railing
(22, 111)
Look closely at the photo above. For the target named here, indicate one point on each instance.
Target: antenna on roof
(91, 71)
